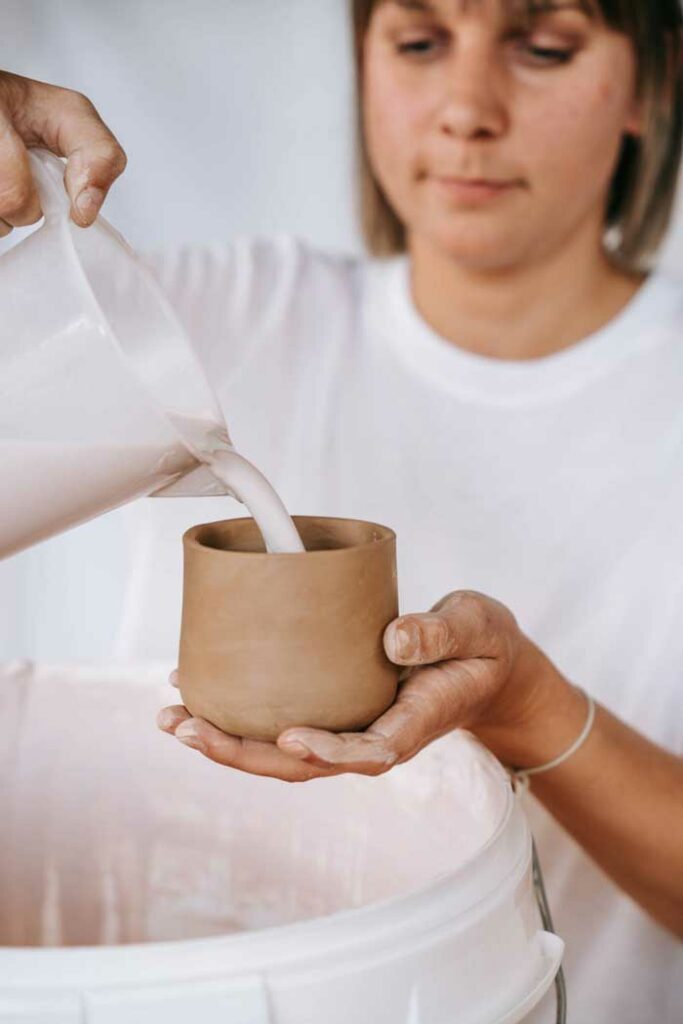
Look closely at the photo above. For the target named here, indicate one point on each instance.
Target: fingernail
(89, 202)
(165, 719)
(322, 748)
(174, 678)
(295, 747)
(187, 734)
(405, 640)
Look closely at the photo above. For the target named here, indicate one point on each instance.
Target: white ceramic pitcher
(101, 397)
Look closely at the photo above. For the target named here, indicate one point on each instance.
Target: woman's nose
(473, 104)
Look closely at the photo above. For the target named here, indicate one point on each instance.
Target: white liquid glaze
(250, 487)
(49, 487)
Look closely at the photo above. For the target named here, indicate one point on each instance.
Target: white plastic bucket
(194, 892)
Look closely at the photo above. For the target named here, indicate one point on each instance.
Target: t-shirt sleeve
(228, 296)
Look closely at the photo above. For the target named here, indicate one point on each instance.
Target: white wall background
(237, 117)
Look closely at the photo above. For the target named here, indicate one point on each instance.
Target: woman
(506, 396)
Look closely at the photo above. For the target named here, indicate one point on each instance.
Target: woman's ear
(635, 123)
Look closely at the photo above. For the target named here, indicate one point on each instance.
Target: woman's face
(495, 140)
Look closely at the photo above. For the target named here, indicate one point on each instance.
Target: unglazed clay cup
(270, 641)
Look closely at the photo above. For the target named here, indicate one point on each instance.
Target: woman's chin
(477, 255)
(477, 245)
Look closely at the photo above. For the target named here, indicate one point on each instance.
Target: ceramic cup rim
(192, 538)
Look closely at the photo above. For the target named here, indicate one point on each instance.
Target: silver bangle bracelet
(520, 775)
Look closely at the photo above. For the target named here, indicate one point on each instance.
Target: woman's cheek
(391, 135)
(577, 145)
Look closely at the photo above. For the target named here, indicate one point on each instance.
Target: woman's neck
(523, 312)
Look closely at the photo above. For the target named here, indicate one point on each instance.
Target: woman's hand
(467, 664)
(36, 114)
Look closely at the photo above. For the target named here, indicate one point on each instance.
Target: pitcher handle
(48, 174)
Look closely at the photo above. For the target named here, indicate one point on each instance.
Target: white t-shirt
(554, 485)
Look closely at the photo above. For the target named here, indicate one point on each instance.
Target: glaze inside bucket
(113, 833)
(395, 900)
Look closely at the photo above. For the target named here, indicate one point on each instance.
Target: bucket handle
(48, 174)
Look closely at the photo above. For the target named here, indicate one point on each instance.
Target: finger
(5, 228)
(91, 170)
(362, 753)
(462, 625)
(253, 756)
(169, 719)
(434, 701)
(68, 124)
(19, 203)
(174, 678)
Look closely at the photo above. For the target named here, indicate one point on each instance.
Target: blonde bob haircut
(643, 190)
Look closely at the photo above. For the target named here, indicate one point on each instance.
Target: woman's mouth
(474, 191)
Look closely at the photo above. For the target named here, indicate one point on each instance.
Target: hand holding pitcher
(37, 114)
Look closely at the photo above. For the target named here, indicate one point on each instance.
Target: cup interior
(318, 533)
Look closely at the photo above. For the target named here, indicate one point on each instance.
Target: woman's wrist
(539, 713)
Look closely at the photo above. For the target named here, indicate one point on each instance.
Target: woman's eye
(419, 47)
(544, 56)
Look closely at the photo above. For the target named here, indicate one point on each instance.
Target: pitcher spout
(197, 483)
